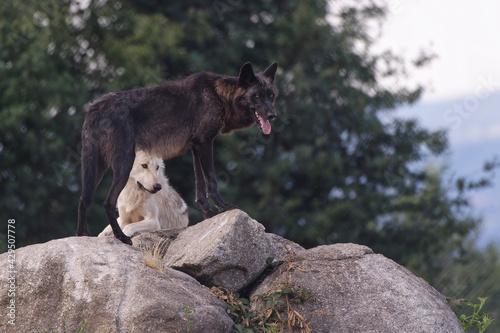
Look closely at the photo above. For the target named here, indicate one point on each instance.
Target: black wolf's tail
(93, 169)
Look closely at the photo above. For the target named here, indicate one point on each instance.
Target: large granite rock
(229, 250)
(356, 290)
(106, 286)
(64, 283)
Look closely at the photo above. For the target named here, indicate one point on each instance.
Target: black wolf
(167, 120)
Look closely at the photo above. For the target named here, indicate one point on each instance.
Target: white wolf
(148, 202)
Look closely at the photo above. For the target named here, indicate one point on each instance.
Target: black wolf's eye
(257, 96)
(145, 166)
(271, 96)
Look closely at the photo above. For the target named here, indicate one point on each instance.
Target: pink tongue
(265, 125)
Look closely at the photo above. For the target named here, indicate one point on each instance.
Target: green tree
(336, 168)
(39, 100)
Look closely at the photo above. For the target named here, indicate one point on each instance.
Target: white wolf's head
(147, 172)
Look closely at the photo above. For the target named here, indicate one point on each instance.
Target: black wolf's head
(260, 94)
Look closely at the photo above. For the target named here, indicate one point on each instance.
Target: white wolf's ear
(247, 76)
(270, 71)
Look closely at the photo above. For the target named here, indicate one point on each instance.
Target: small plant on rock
(238, 308)
(477, 319)
(279, 313)
(187, 310)
(153, 256)
(83, 326)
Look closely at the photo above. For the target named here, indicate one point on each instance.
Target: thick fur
(167, 120)
(148, 202)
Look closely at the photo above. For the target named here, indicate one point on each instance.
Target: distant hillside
(473, 125)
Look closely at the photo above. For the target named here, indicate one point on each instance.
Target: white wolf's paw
(106, 232)
(130, 232)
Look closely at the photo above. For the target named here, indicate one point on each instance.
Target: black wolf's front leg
(201, 189)
(203, 159)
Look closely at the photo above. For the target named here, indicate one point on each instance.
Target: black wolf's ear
(270, 71)
(247, 75)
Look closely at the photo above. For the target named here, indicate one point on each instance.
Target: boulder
(282, 247)
(355, 290)
(102, 284)
(156, 242)
(228, 250)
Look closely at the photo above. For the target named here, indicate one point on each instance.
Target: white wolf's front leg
(146, 225)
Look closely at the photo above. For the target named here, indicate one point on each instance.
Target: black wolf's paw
(125, 239)
(209, 213)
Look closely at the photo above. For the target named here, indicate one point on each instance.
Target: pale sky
(464, 34)
(463, 82)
